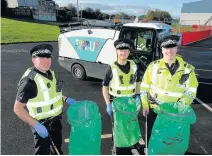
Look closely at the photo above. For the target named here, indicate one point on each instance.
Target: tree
(89, 10)
(98, 14)
(72, 9)
(105, 16)
(89, 13)
(158, 15)
(4, 6)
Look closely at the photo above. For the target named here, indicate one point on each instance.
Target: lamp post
(77, 11)
(81, 10)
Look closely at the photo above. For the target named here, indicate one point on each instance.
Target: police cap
(122, 44)
(42, 50)
(169, 41)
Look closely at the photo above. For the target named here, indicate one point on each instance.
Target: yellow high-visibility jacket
(160, 85)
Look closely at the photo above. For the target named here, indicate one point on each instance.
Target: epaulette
(189, 66)
(156, 62)
(32, 74)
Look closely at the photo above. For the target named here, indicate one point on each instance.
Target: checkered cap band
(123, 45)
(45, 51)
(169, 42)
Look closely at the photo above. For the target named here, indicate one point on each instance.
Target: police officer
(169, 79)
(141, 43)
(120, 75)
(41, 93)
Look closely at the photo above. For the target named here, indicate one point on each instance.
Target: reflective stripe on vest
(48, 114)
(44, 103)
(164, 92)
(48, 102)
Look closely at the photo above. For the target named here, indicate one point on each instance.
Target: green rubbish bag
(171, 130)
(85, 135)
(126, 130)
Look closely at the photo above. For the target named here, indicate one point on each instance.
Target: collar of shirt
(173, 68)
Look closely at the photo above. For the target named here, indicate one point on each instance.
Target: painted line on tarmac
(204, 104)
(195, 140)
(14, 51)
(204, 150)
(205, 83)
(205, 70)
(104, 136)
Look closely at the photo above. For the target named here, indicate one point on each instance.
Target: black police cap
(123, 44)
(169, 41)
(42, 50)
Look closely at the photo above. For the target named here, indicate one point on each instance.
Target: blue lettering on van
(87, 45)
(88, 48)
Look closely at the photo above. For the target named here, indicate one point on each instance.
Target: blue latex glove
(109, 109)
(137, 98)
(41, 130)
(70, 101)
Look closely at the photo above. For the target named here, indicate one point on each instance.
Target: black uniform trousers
(151, 117)
(43, 146)
(129, 150)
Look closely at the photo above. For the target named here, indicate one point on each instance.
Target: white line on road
(204, 104)
(104, 136)
(205, 83)
(204, 150)
(196, 140)
(205, 70)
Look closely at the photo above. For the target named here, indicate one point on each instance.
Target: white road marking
(205, 83)
(196, 140)
(204, 104)
(204, 150)
(205, 70)
(104, 136)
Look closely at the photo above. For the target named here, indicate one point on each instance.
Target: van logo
(87, 45)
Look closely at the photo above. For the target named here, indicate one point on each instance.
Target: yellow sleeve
(145, 86)
(191, 91)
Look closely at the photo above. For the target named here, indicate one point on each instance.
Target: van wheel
(78, 72)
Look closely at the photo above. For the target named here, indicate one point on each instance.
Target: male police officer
(169, 79)
(121, 74)
(39, 90)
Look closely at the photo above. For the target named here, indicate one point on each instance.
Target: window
(142, 39)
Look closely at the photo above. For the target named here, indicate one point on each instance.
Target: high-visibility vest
(141, 44)
(158, 84)
(123, 84)
(48, 102)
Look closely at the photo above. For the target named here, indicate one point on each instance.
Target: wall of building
(203, 6)
(41, 9)
(196, 12)
(12, 3)
(46, 10)
(22, 3)
(28, 3)
(194, 18)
